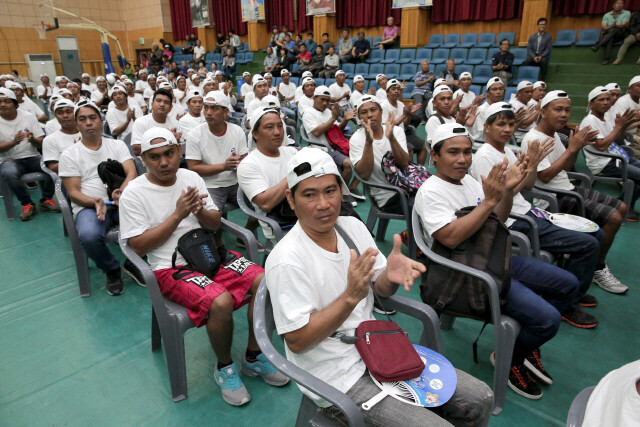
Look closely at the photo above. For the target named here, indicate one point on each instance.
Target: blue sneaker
(233, 391)
(263, 368)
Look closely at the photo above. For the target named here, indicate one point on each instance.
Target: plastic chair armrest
(623, 162)
(533, 232)
(542, 195)
(431, 337)
(583, 178)
(246, 236)
(567, 193)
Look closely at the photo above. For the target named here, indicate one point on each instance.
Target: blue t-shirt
(362, 45)
(291, 45)
(507, 59)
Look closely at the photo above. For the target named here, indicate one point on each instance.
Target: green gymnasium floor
(77, 361)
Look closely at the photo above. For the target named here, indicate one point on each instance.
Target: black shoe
(32, 185)
(381, 310)
(532, 363)
(594, 48)
(521, 381)
(355, 193)
(588, 301)
(580, 319)
(134, 273)
(114, 283)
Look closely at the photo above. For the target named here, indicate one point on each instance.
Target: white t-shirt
(477, 129)
(438, 200)
(145, 123)
(199, 52)
(467, 97)
(483, 161)
(257, 173)
(397, 111)
(381, 94)
(54, 145)
(287, 90)
(52, 126)
(116, 118)
(252, 105)
(138, 100)
(148, 94)
(518, 105)
(433, 124)
(245, 89)
(30, 106)
(337, 91)
(144, 205)
(615, 400)
(187, 123)
(303, 279)
(41, 90)
(97, 96)
(314, 118)
(623, 104)
(299, 94)
(355, 97)
(9, 129)
(141, 85)
(430, 108)
(89, 87)
(212, 149)
(604, 128)
(561, 180)
(304, 103)
(380, 148)
(249, 98)
(79, 161)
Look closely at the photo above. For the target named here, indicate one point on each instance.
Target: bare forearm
(461, 229)
(7, 145)
(503, 208)
(155, 236)
(205, 170)
(565, 162)
(383, 286)
(323, 128)
(365, 164)
(271, 197)
(400, 157)
(117, 131)
(209, 219)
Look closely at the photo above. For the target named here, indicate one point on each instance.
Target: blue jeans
(12, 170)
(583, 249)
(539, 293)
(92, 233)
(229, 71)
(633, 173)
(292, 112)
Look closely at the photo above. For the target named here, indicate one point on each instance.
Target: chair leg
(156, 337)
(628, 194)
(446, 321)
(504, 351)
(306, 412)
(371, 220)
(176, 363)
(382, 229)
(7, 197)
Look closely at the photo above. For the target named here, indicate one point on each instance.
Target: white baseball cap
(465, 75)
(285, 71)
(494, 80)
(43, 75)
(358, 78)
(64, 103)
(339, 72)
(165, 85)
(552, 96)
(85, 75)
(12, 85)
(84, 103)
(438, 82)
(447, 131)
(392, 82)
(539, 83)
(72, 83)
(312, 162)
(267, 75)
(193, 93)
(307, 80)
(64, 92)
(612, 86)
(100, 79)
(498, 107)
(321, 91)
(441, 89)
(634, 80)
(596, 92)
(258, 113)
(270, 101)
(307, 74)
(215, 97)
(379, 76)
(156, 133)
(523, 85)
(363, 100)
(118, 88)
(125, 81)
(193, 77)
(7, 93)
(246, 73)
(257, 78)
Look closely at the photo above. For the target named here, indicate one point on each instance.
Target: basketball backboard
(48, 18)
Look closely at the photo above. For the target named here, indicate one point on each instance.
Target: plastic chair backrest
(436, 39)
(452, 39)
(407, 53)
(441, 53)
(486, 39)
(423, 54)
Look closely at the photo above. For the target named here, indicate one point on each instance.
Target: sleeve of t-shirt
(112, 120)
(311, 121)
(133, 218)
(193, 146)
(68, 167)
(122, 151)
(136, 133)
(430, 128)
(481, 165)
(400, 137)
(241, 143)
(356, 146)
(524, 146)
(251, 180)
(291, 293)
(38, 110)
(49, 152)
(40, 90)
(437, 210)
(96, 96)
(594, 126)
(34, 126)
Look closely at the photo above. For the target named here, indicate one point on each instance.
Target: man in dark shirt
(631, 39)
(502, 61)
(361, 48)
(310, 44)
(326, 43)
(450, 76)
(539, 48)
(317, 61)
(220, 43)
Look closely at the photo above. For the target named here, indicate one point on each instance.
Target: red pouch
(387, 351)
(337, 140)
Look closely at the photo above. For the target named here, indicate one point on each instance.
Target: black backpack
(453, 292)
(112, 175)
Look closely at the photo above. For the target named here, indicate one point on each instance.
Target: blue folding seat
(421, 55)
(565, 38)
(406, 56)
(511, 36)
(451, 40)
(476, 56)
(440, 56)
(392, 71)
(459, 54)
(482, 74)
(376, 55)
(469, 40)
(527, 73)
(464, 67)
(435, 41)
(519, 55)
(374, 70)
(392, 56)
(408, 71)
(362, 69)
(349, 70)
(486, 40)
(588, 37)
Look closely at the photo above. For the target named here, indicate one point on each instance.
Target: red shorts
(196, 292)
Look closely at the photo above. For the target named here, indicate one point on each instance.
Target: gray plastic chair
(245, 206)
(627, 184)
(7, 194)
(309, 413)
(169, 320)
(578, 407)
(382, 217)
(506, 329)
(583, 181)
(82, 261)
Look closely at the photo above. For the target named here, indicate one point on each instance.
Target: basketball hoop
(41, 29)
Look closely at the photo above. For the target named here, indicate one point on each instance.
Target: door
(69, 56)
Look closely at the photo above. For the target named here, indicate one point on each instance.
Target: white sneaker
(608, 282)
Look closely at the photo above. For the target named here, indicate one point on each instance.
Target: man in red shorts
(155, 211)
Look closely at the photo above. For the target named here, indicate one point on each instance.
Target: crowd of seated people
(200, 141)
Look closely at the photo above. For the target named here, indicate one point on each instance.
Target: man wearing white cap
(582, 248)
(194, 117)
(381, 93)
(539, 90)
(60, 82)
(159, 207)
(450, 76)
(442, 102)
(52, 125)
(322, 287)
(358, 89)
(430, 110)
(260, 90)
(133, 97)
(44, 91)
(20, 138)
(214, 151)
(86, 83)
(494, 93)
(78, 169)
(101, 97)
(538, 290)
(247, 86)
(523, 101)
(606, 141)
(340, 92)
(308, 87)
(604, 210)
(286, 92)
(151, 88)
(55, 143)
(299, 91)
(141, 83)
(467, 97)
(630, 101)
(123, 114)
(402, 118)
(161, 106)
(25, 103)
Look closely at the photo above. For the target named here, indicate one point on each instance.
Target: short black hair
(310, 34)
(543, 19)
(505, 40)
(162, 92)
(507, 114)
(232, 31)
(325, 34)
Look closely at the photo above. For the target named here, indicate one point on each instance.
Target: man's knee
(346, 164)
(222, 306)
(90, 234)
(9, 170)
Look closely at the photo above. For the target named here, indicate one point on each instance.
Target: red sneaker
(49, 205)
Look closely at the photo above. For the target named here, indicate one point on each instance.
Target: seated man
(539, 91)
(539, 291)
(321, 289)
(340, 91)
(370, 143)
(361, 49)
(582, 248)
(524, 101)
(26, 104)
(402, 115)
(305, 102)
(423, 89)
(54, 144)
(262, 174)
(608, 134)
(358, 89)
(303, 60)
(299, 88)
(614, 29)
(381, 93)
(214, 151)
(630, 101)
(133, 97)
(141, 83)
(604, 210)
(157, 209)
(20, 138)
(346, 46)
(87, 85)
(319, 120)
(194, 117)
(287, 93)
(252, 100)
(494, 93)
(79, 172)
(123, 115)
(450, 76)
(161, 105)
(502, 61)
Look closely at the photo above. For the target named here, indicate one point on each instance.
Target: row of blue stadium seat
(243, 48)
(587, 37)
(473, 56)
(452, 40)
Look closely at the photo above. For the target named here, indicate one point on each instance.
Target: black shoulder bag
(112, 175)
